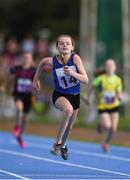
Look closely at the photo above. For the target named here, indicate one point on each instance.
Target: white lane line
(70, 175)
(13, 174)
(60, 162)
(85, 179)
(86, 153)
(89, 179)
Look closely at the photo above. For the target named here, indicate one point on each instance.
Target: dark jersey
(23, 79)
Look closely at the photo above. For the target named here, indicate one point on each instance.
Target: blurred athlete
(23, 75)
(68, 71)
(108, 88)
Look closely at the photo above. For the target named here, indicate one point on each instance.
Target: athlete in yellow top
(108, 88)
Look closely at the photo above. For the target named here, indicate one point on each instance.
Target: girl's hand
(68, 70)
(36, 86)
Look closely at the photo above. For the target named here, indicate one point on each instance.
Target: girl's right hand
(36, 86)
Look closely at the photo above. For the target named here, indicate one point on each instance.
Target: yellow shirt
(107, 88)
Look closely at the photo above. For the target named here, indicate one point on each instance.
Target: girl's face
(65, 45)
(27, 58)
(110, 66)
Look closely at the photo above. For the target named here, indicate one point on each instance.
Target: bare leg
(19, 116)
(20, 123)
(105, 120)
(19, 112)
(114, 122)
(63, 105)
(69, 127)
(23, 124)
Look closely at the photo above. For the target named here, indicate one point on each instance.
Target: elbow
(86, 81)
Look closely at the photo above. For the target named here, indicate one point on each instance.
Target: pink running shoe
(21, 142)
(16, 130)
(105, 147)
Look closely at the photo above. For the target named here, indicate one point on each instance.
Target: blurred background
(101, 30)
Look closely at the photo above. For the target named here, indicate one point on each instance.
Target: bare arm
(120, 96)
(45, 61)
(81, 75)
(36, 83)
(119, 92)
(89, 91)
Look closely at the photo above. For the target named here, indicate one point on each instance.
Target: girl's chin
(66, 52)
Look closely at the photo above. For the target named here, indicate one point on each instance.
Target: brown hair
(64, 35)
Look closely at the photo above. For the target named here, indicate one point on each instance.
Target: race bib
(66, 81)
(109, 97)
(24, 85)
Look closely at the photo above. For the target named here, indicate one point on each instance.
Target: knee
(107, 126)
(114, 129)
(68, 112)
(25, 118)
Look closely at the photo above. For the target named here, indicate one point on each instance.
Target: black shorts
(116, 109)
(26, 99)
(74, 99)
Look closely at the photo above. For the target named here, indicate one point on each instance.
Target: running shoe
(55, 150)
(20, 142)
(105, 147)
(64, 152)
(16, 130)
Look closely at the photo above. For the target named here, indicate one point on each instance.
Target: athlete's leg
(114, 123)
(19, 122)
(24, 123)
(19, 111)
(21, 130)
(64, 149)
(63, 105)
(104, 120)
(26, 109)
(69, 126)
(19, 116)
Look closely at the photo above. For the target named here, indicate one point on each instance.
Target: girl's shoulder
(76, 58)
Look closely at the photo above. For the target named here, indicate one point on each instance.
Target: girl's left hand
(68, 70)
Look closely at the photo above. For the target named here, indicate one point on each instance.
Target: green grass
(124, 123)
(44, 118)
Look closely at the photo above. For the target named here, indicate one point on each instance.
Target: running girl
(22, 94)
(108, 88)
(68, 71)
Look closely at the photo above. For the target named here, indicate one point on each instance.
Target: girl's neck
(110, 74)
(26, 66)
(67, 56)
